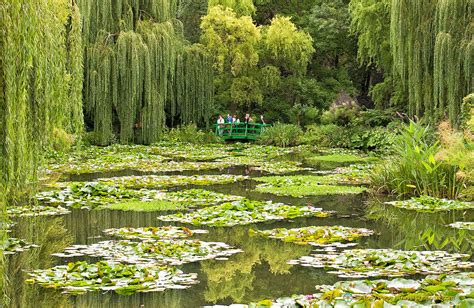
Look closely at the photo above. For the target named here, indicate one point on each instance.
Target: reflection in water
(411, 230)
(51, 236)
(235, 279)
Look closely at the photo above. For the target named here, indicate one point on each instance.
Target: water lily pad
(198, 197)
(431, 204)
(36, 210)
(316, 235)
(464, 225)
(90, 195)
(244, 212)
(153, 233)
(13, 245)
(162, 181)
(452, 290)
(307, 185)
(162, 252)
(81, 277)
(359, 263)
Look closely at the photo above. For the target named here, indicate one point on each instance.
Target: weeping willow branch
(41, 49)
(140, 71)
(432, 48)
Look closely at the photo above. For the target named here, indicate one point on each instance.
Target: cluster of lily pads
(36, 210)
(307, 185)
(153, 233)
(446, 290)
(316, 235)
(161, 252)
(244, 212)
(358, 263)
(81, 277)
(163, 181)
(431, 204)
(93, 194)
(463, 225)
(13, 245)
(198, 196)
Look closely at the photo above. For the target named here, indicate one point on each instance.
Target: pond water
(260, 271)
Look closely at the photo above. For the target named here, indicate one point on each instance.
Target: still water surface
(260, 271)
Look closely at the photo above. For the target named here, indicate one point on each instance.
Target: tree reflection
(51, 236)
(411, 230)
(235, 279)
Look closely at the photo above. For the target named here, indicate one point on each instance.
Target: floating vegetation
(431, 204)
(146, 206)
(13, 245)
(464, 225)
(244, 212)
(358, 263)
(198, 196)
(154, 233)
(434, 290)
(161, 252)
(36, 210)
(308, 185)
(93, 194)
(341, 158)
(161, 181)
(81, 277)
(316, 235)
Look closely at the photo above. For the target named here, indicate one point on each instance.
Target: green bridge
(239, 131)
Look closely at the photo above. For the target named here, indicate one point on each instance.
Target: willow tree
(432, 48)
(41, 84)
(140, 72)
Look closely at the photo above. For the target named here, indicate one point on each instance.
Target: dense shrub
(341, 115)
(282, 135)
(416, 167)
(190, 134)
(61, 141)
(358, 137)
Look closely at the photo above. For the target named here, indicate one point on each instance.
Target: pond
(259, 272)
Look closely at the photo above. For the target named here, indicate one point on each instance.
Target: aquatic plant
(155, 233)
(81, 277)
(13, 245)
(244, 212)
(341, 158)
(357, 263)
(451, 290)
(156, 181)
(315, 235)
(93, 194)
(431, 204)
(308, 185)
(415, 169)
(161, 252)
(36, 210)
(198, 196)
(463, 225)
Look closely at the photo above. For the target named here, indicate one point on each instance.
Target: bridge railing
(239, 130)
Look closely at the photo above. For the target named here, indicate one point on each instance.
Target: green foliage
(283, 135)
(190, 134)
(240, 7)
(431, 204)
(40, 85)
(61, 141)
(415, 170)
(146, 206)
(170, 80)
(287, 47)
(432, 55)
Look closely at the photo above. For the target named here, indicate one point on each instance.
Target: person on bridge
(220, 122)
(261, 119)
(229, 118)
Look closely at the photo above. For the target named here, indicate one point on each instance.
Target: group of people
(235, 120)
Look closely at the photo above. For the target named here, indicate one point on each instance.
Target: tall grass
(283, 135)
(416, 168)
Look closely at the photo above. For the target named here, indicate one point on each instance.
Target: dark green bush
(190, 134)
